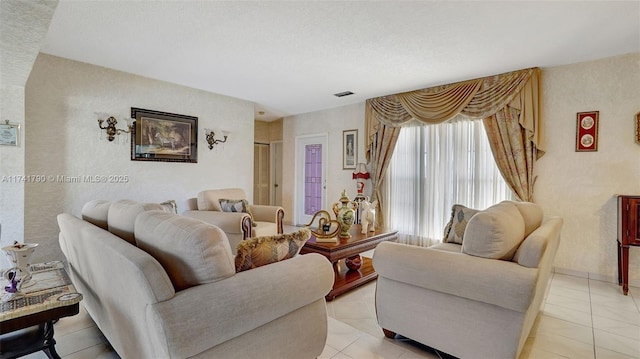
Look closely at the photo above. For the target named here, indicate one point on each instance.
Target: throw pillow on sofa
(237, 205)
(454, 230)
(260, 251)
(495, 232)
(192, 252)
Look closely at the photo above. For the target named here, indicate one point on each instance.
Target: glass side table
(26, 323)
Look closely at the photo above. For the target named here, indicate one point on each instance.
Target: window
(434, 167)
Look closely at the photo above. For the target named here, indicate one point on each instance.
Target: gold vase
(345, 214)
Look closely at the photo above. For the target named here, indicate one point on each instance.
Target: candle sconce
(211, 138)
(111, 129)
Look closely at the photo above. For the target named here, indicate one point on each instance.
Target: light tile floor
(582, 318)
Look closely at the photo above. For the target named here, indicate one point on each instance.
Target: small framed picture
(638, 128)
(587, 131)
(349, 149)
(9, 134)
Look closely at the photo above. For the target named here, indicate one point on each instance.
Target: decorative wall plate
(587, 131)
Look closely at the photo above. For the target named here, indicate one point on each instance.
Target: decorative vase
(19, 274)
(345, 214)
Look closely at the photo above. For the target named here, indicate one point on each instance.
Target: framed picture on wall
(587, 131)
(162, 136)
(349, 149)
(9, 134)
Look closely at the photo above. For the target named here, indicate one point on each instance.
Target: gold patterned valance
(479, 98)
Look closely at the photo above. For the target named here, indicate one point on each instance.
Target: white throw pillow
(495, 232)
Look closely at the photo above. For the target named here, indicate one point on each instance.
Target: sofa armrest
(502, 283)
(229, 222)
(273, 214)
(216, 312)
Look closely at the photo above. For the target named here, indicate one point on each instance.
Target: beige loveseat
(478, 299)
(167, 288)
(259, 220)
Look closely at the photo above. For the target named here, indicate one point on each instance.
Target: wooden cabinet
(628, 235)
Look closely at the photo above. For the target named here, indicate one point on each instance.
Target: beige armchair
(267, 220)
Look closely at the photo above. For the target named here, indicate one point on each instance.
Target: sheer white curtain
(434, 167)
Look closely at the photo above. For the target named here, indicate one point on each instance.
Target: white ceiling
(291, 57)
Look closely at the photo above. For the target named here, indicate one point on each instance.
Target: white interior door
(311, 170)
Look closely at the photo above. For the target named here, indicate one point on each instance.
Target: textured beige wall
(23, 26)
(580, 186)
(62, 97)
(12, 171)
(333, 122)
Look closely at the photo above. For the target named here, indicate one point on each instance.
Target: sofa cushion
(454, 230)
(122, 217)
(495, 232)
(209, 200)
(191, 251)
(260, 251)
(171, 206)
(531, 213)
(96, 212)
(448, 247)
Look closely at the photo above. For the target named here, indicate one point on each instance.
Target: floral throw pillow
(259, 251)
(460, 216)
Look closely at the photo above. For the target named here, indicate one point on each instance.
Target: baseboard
(594, 276)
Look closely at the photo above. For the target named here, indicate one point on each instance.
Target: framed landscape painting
(162, 136)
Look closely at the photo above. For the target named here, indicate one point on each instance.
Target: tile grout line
(593, 329)
(604, 330)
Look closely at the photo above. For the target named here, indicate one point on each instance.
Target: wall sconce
(211, 138)
(111, 129)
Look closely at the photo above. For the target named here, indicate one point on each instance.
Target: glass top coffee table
(26, 323)
(351, 270)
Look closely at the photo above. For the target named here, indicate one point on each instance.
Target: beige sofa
(267, 220)
(470, 306)
(167, 288)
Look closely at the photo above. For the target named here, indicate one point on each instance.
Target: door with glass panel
(311, 155)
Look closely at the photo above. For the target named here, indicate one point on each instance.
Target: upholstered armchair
(238, 219)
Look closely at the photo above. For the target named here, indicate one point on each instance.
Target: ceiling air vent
(343, 94)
